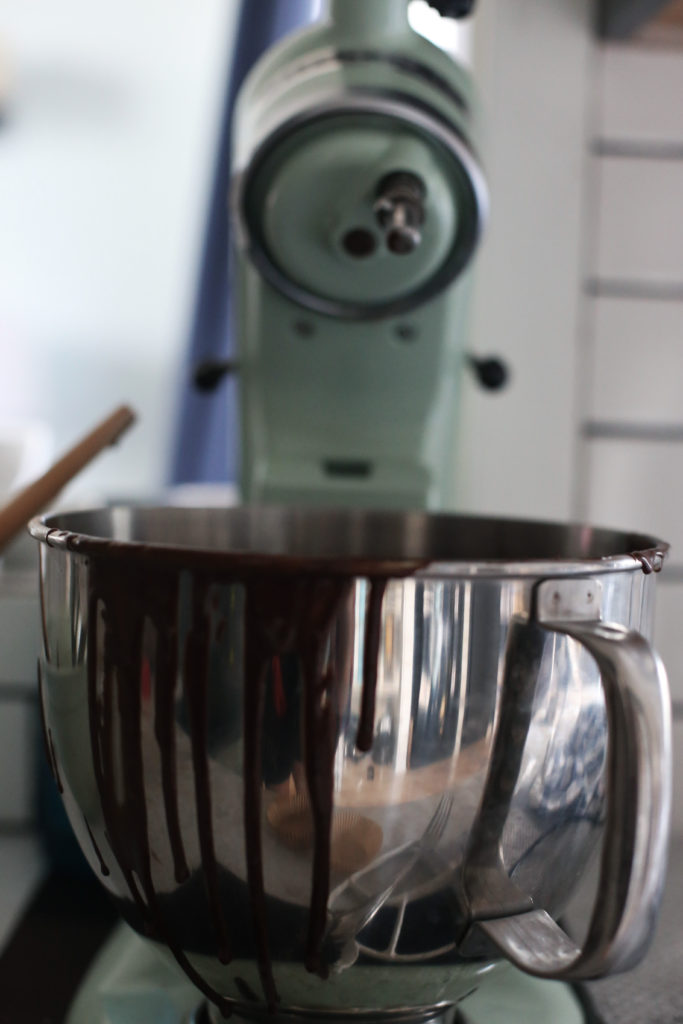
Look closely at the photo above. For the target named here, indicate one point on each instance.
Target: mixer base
(131, 983)
(518, 998)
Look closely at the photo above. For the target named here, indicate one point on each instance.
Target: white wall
(632, 343)
(105, 164)
(533, 62)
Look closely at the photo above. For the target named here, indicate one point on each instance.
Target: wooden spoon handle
(33, 498)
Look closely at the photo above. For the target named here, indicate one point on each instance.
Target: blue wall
(206, 447)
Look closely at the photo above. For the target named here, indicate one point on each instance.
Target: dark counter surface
(51, 947)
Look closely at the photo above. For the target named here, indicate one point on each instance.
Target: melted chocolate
(303, 615)
(164, 605)
(321, 732)
(118, 661)
(98, 853)
(652, 560)
(196, 681)
(256, 666)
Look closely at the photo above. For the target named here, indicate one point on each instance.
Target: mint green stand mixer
(358, 201)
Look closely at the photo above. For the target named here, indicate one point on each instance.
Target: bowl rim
(632, 551)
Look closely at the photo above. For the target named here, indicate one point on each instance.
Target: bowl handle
(634, 852)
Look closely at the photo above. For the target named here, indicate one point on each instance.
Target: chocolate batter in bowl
(347, 761)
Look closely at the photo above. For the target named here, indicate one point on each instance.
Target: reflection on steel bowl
(346, 761)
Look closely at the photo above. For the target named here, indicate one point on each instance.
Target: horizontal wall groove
(616, 430)
(622, 288)
(636, 149)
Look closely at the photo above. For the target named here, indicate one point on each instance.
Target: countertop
(22, 868)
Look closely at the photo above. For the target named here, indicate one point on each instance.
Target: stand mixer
(358, 201)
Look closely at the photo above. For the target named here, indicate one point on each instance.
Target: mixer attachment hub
(401, 212)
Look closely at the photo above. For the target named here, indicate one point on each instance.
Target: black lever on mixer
(208, 375)
(453, 8)
(492, 373)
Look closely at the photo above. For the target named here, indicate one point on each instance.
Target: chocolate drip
(320, 744)
(122, 666)
(127, 659)
(306, 618)
(55, 762)
(373, 633)
(104, 870)
(256, 666)
(653, 560)
(321, 732)
(165, 607)
(126, 821)
(293, 616)
(196, 679)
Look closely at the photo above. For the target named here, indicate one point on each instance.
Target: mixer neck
(359, 19)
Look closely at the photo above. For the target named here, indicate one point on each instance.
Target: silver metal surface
(634, 854)
(572, 601)
(443, 1015)
(345, 927)
(506, 744)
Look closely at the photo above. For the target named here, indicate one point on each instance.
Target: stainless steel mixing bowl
(344, 762)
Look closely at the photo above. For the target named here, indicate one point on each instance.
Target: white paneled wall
(640, 237)
(637, 361)
(632, 380)
(641, 95)
(533, 63)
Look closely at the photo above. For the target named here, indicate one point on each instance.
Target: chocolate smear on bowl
(297, 614)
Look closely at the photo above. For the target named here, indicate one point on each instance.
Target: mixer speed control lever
(209, 374)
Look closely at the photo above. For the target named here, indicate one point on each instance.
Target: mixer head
(359, 202)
